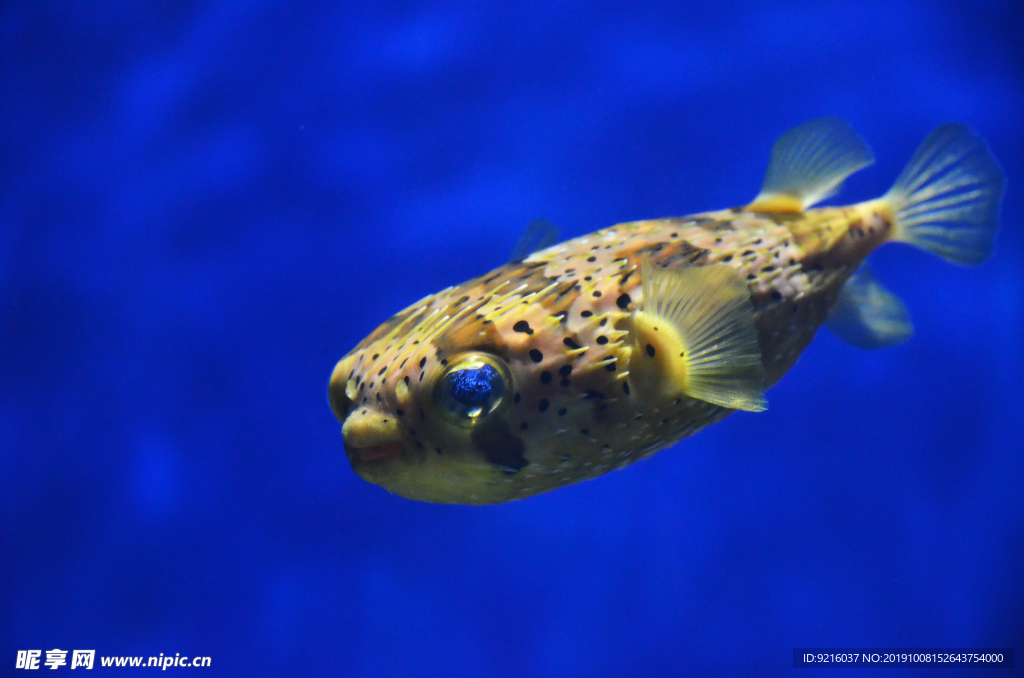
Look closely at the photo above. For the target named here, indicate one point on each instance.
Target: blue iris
(472, 390)
(474, 387)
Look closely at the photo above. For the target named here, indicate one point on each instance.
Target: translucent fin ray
(539, 234)
(710, 308)
(867, 315)
(809, 163)
(947, 199)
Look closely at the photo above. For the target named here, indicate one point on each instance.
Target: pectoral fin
(695, 336)
(809, 163)
(867, 315)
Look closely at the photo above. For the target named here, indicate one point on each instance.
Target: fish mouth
(371, 437)
(374, 453)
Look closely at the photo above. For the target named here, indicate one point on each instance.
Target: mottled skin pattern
(576, 413)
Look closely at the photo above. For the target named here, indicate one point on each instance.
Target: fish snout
(371, 436)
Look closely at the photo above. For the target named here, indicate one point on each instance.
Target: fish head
(433, 403)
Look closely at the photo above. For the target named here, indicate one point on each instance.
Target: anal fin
(867, 315)
(695, 336)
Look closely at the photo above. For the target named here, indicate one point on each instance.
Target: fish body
(589, 355)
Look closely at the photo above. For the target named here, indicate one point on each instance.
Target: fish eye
(473, 387)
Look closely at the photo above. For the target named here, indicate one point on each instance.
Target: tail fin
(947, 198)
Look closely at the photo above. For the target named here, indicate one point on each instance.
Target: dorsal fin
(695, 335)
(539, 234)
(867, 315)
(809, 163)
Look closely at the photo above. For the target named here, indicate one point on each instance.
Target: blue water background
(203, 206)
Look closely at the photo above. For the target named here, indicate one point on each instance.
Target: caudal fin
(947, 198)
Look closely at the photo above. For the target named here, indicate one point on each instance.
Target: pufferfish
(586, 356)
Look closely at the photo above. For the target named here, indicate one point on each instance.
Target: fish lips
(373, 453)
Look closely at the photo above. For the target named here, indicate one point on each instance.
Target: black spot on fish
(382, 370)
(585, 431)
(543, 406)
(776, 295)
(602, 340)
(727, 258)
(535, 355)
(570, 343)
(650, 350)
(522, 326)
(597, 293)
(399, 412)
(610, 366)
(625, 387)
(438, 450)
(623, 301)
(545, 377)
(591, 259)
(565, 370)
(376, 355)
(524, 426)
(423, 361)
(586, 314)
(594, 395)
(562, 412)
(516, 399)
